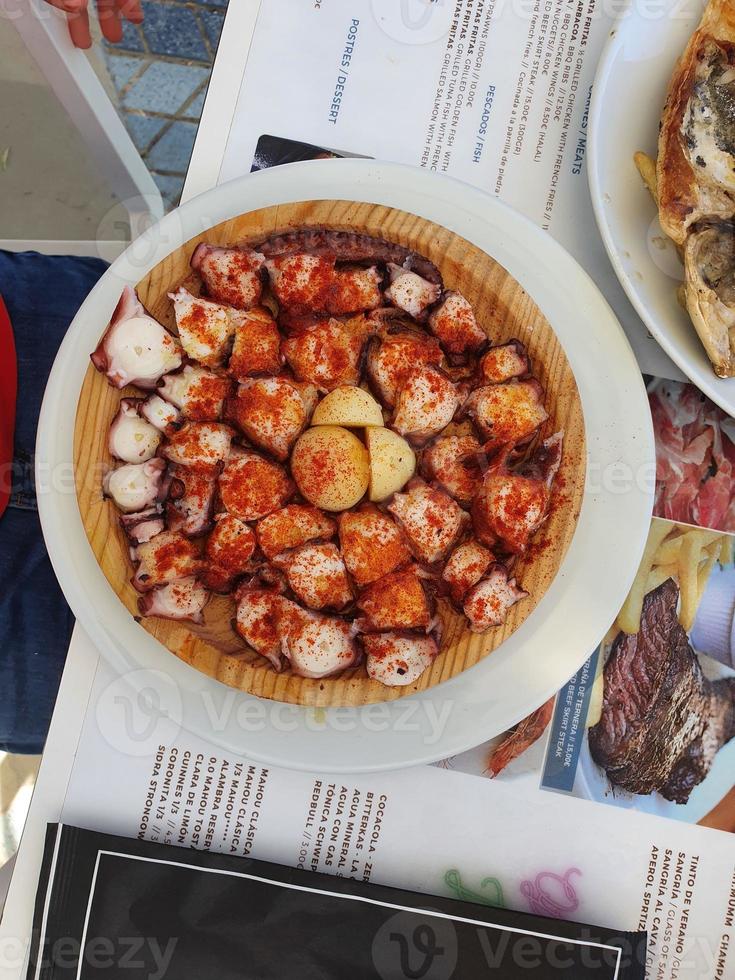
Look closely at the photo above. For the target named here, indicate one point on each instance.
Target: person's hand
(110, 13)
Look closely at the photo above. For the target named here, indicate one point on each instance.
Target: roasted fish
(694, 179)
(696, 147)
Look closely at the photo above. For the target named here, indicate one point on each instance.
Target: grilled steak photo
(662, 720)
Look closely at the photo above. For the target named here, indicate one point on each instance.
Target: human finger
(109, 20)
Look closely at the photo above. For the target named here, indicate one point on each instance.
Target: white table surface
(83, 659)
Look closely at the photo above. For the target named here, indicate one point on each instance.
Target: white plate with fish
(627, 104)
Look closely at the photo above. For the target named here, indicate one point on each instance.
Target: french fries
(629, 619)
(686, 554)
(727, 553)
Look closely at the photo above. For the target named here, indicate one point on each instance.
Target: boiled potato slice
(331, 467)
(347, 405)
(392, 462)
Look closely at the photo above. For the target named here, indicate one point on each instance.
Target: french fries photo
(683, 553)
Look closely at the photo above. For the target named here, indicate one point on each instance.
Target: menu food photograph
(382, 487)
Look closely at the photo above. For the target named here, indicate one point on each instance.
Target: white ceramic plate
(566, 625)
(627, 99)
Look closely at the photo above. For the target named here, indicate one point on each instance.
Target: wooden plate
(502, 307)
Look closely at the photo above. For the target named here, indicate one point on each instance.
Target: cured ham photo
(695, 457)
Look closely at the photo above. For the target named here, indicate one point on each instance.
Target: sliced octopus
(201, 463)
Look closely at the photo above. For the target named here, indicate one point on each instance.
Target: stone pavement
(160, 72)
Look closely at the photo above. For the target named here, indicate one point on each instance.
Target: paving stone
(170, 188)
(164, 87)
(123, 69)
(173, 31)
(143, 129)
(173, 149)
(212, 21)
(132, 39)
(194, 109)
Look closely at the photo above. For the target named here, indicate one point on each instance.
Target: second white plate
(627, 100)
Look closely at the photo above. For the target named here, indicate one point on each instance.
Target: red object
(8, 392)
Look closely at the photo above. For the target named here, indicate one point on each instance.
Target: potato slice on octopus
(292, 526)
(273, 412)
(372, 544)
(230, 275)
(488, 602)
(398, 659)
(200, 394)
(252, 487)
(453, 323)
(391, 358)
(396, 601)
(430, 519)
(507, 414)
(317, 576)
(425, 405)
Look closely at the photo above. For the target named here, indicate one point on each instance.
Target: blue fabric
(42, 294)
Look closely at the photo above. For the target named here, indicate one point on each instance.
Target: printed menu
(492, 92)
(498, 842)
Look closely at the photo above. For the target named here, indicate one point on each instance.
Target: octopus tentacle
(144, 525)
(132, 438)
(183, 599)
(347, 246)
(135, 349)
(136, 486)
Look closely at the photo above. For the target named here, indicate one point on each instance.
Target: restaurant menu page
(493, 92)
(438, 832)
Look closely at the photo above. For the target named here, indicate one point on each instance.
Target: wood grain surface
(502, 307)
